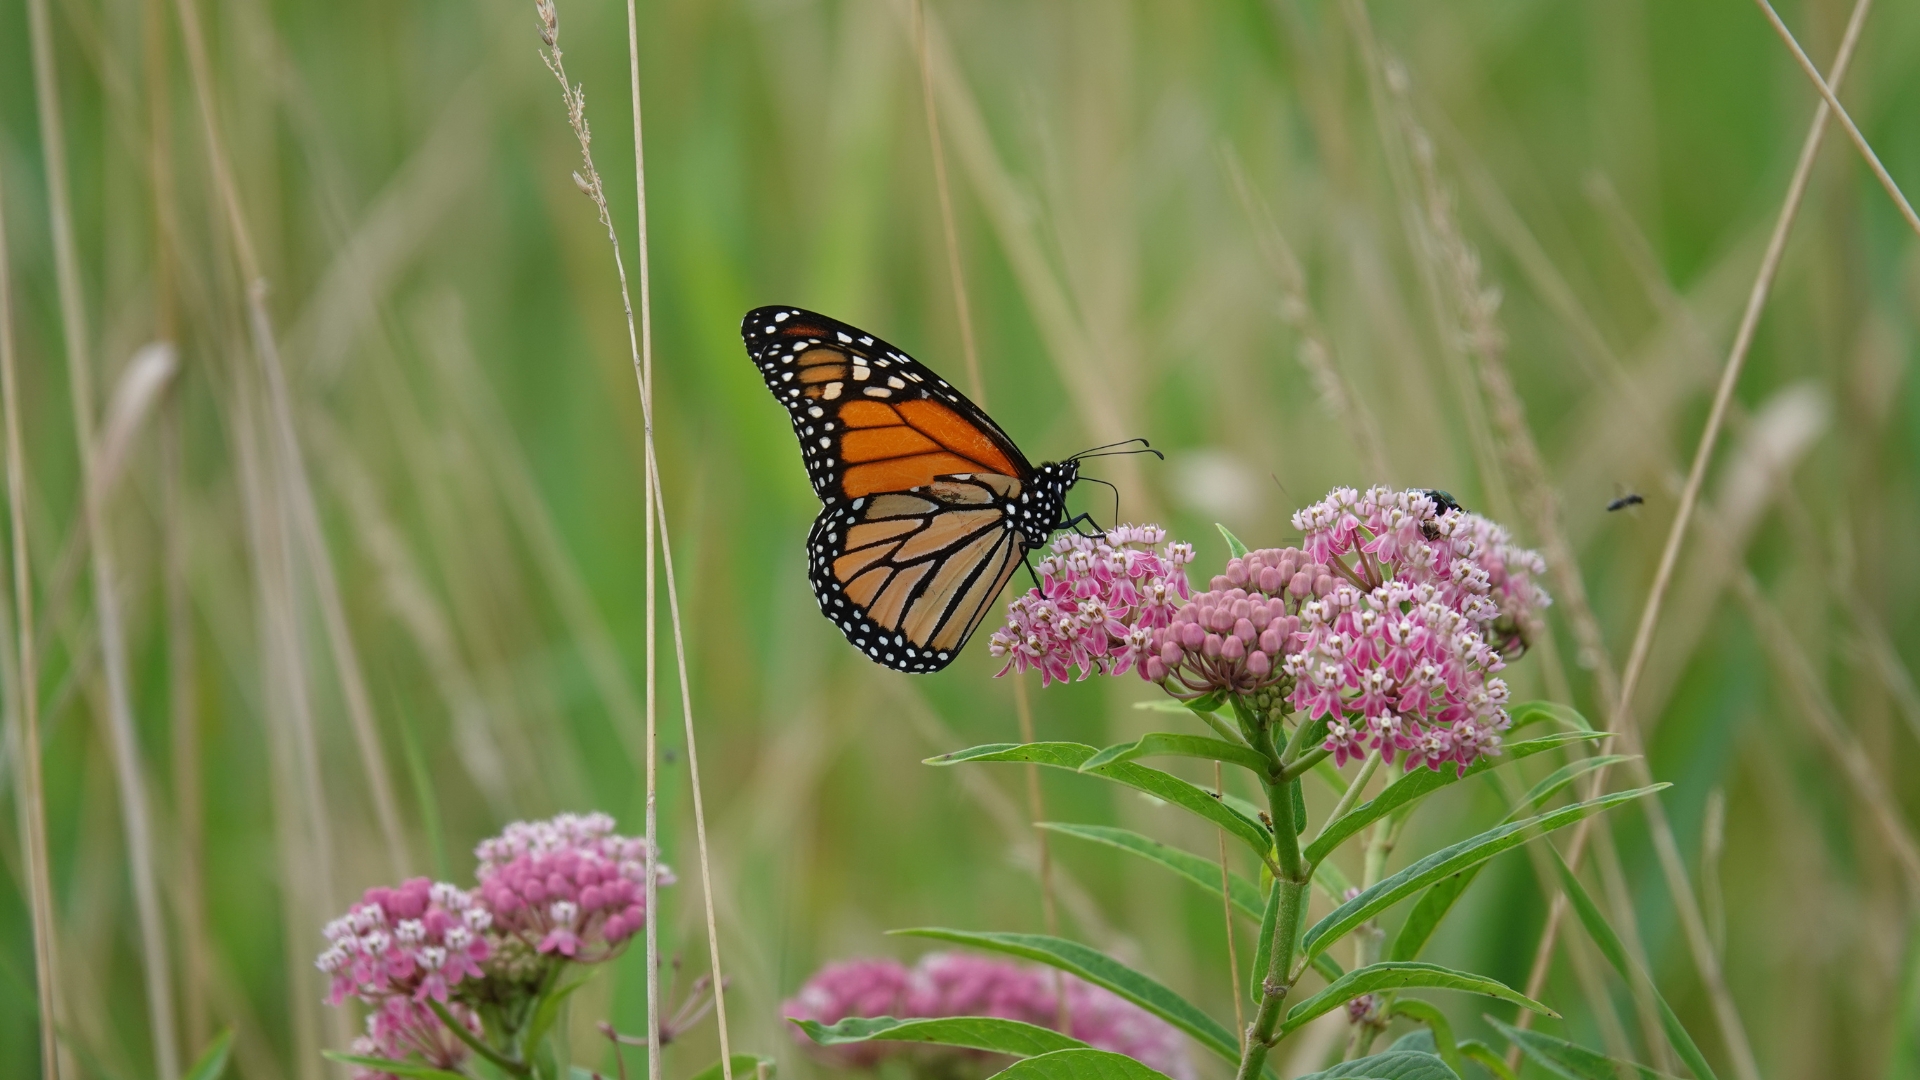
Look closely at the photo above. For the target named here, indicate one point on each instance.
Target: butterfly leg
(1077, 520)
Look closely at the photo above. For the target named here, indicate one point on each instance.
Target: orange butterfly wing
(929, 505)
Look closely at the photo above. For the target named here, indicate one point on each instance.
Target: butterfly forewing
(869, 417)
(929, 506)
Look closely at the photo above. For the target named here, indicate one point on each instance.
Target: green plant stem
(1300, 766)
(1352, 794)
(1224, 729)
(1292, 878)
(460, 1032)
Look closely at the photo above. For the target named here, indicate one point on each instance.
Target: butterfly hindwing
(907, 576)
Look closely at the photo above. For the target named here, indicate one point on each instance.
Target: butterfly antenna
(1111, 449)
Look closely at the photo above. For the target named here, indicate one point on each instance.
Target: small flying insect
(1447, 505)
(1631, 498)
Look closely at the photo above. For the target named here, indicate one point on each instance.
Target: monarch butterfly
(929, 505)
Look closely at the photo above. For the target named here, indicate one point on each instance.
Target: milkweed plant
(1375, 644)
(458, 982)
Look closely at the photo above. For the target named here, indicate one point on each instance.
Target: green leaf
(1299, 795)
(1534, 712)
(1332, 882)
(1389, 1065)
(1453, 859)
(1422, 782)
(1419, 1040)
(1427, 912)
(1602, 933)
(1397, 975)
(213, 1060)
(1084, 1064)
(1439, 899)
(1327, 966)
(1263, 945)
(1571, 1060)
(1169, 744)
(397, 1068)
(1201, 871)
(1161, 785)
(972, 1032)
(1484, 1056)
(745, 1067)
(1235, 548)
(1102, 970)
(547, 1012)
(1161, 705)
(1537, 796)
(1435, 1038)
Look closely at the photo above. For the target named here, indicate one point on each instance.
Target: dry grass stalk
(1478, 306)
(1817, 709)
(128, 775)
(1709, 436)
(1068, 344)
(641, 347)
(445, 335)
(29, 795)
(1036, 804)
(640, 341)
(963, 311)
(1017, 827)
(1828, 99)
(1315, 351)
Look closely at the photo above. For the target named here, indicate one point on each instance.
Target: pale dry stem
(1846, 121)
(640, 339)
(1478, 307)
(29, 793)
(135, 808)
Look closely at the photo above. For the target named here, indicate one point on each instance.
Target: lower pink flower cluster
(565, 888)
(959, 984)
(399, 948)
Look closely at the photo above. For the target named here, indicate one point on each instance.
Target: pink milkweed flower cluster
(959, 984)
(1235, 636)
(564, 889)
(569, 886)
(1099, 600)
(412, 942)
(1396, 654)
(396, 950)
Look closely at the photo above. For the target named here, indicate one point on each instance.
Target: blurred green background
(416, 568)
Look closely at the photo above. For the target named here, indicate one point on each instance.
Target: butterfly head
(1043, 506)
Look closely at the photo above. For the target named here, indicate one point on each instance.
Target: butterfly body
(929, 506)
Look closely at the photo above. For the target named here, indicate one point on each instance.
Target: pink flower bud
(1258, 664)
(1233, 649)
(1243, 629)
(1210, 647)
